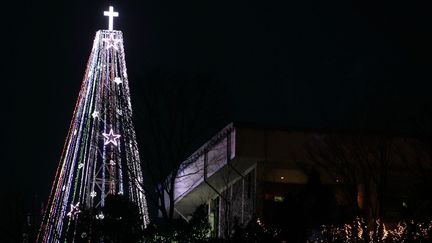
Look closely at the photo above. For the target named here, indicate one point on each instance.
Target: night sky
(337, 64)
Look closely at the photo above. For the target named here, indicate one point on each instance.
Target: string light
(82, 173)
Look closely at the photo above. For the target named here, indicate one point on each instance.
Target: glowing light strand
(85, 168)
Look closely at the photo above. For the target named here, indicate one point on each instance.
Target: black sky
(298, 63)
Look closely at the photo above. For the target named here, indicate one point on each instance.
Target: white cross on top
(111, 14)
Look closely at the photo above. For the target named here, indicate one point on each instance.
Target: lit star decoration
(95, 114)
(111, 137)
(96, 161)
(100, 216)
(118, 80)
(111, 14)
(74, 210)
(111, 42)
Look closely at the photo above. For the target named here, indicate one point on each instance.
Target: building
(241, 174)
(248, 172)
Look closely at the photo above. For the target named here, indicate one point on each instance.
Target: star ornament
(95, 114)
(111, 137)
(74, 210)
(118, 80)
(111, 42)
(100, 216)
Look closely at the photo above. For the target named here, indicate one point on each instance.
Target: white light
(118, 80)
(95, 114)
(93, 194)
(111, 14)
(110, 137)
(100, 216)
(111, 42)
(282, 177)
(112, 162)
(74, 210)
(80, 165)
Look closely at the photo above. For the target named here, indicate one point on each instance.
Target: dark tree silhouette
(118, 221)
(195, 231)
(12, 225)
(360, 164)
(178, 113)
(417, 161)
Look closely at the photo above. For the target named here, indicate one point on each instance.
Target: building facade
(248, 173)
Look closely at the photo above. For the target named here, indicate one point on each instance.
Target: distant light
(100, 216)
(404, 205)
(259, 222)
(282, 177)
(278, 198)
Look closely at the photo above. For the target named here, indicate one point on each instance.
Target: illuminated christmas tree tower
(100, 156)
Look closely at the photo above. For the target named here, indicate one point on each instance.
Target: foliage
(176, 114)
(347, 233)
(360, 164)
(196, 230)
(255, 231)
(121, 222)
